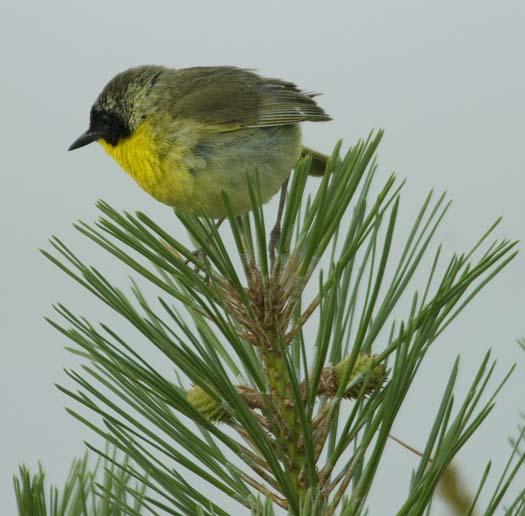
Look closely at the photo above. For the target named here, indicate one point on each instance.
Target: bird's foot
(275, 235)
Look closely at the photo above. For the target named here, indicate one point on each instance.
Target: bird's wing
(282, 103)
(228, 99)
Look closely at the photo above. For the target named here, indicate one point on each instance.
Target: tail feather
(318, 161)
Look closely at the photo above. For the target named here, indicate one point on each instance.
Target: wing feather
(229, 98)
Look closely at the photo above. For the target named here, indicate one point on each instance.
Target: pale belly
(229, 164)
(202, 194)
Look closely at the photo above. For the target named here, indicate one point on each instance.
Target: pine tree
(287, 377)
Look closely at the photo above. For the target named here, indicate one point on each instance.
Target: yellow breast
(139, 155)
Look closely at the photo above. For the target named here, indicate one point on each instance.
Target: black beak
(84, 139)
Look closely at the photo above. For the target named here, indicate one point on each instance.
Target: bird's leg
(199, 253)
(275, 234)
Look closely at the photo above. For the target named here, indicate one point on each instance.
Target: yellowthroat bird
(187, 135)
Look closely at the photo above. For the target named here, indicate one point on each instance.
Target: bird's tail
(318, 161)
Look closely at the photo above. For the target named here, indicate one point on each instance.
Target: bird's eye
(105, 119)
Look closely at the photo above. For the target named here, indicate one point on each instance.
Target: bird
(189, 135)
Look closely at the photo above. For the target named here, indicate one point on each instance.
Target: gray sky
(446, 81)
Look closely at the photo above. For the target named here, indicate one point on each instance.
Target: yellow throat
(138, 156)
(168, 180)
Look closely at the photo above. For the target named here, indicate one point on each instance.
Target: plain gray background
(445, 79)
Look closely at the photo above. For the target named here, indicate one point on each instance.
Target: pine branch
(105, 489)
(289, 376)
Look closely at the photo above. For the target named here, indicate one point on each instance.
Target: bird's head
(124, 103)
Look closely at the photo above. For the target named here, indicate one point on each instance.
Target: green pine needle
(287, 381)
